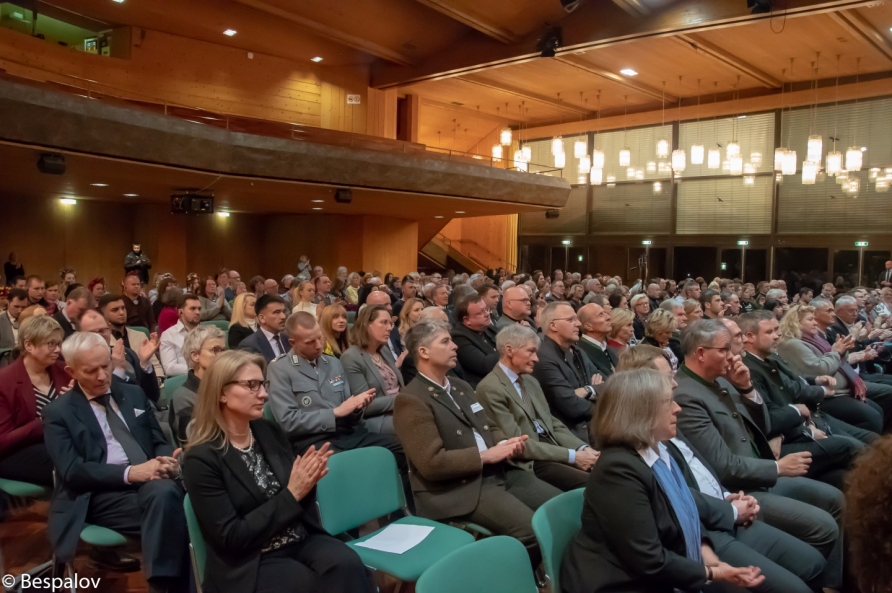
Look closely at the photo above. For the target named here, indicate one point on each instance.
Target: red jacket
(19, 424)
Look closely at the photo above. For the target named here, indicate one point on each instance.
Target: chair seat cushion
(101, 536)
(408, 566)
(24, 489)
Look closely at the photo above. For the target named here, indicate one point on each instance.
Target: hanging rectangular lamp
(697, 154)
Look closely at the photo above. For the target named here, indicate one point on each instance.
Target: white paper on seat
(397, 538)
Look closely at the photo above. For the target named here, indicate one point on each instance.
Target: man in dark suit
(885, 278)
(114, 467)
(653, 295)
(79, 300)
(475, 338)
(458, 456)
(595, 327)
(567, 376)
(127, 365)
(491, 296)
(269, 340)
(9, 319)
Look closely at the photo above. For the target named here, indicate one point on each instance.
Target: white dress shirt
(512, 376)
(114, 451)
(705, 480)
(276, 345)
(481, 444)
(171, 350)
(601, 345)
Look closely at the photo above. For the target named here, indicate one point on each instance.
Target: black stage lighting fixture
(552, 38)
(344, 196)
(759, 6)
(51, 163)
(553, 213)
(570, 5)
(191, 204)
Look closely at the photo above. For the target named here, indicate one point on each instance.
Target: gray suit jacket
(7, 339)
(302, 399)
(727, 429)
(808, 361)
(362, 375)
(503, 404)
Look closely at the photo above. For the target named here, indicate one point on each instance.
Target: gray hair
(426, 291)
(775, 293)
(845, 300)
(422, 335)
(549, 313)
(461, 291)
(196, 338)
(670, 304)
(434, 313)
(508, 284)
(821, 302)
(81, 342)
(702, 332)
(516, 336)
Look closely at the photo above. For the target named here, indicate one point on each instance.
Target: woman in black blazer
(640, 528)
(244, 319)
(254, 502)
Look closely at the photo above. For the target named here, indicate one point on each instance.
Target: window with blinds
(542, 160)
(724, 206)
(754, 133)
(642, 143)
(824, 207)
(631, 208)
(572, 219)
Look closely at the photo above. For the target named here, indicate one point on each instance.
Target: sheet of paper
(397, 538)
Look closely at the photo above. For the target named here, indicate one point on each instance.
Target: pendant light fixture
(789, 164)
(697, 150)
(678, 155)
(519, 161)
(625, 155)
(882, 185)
(834, 157)
(651, 167)
(853, 154)
(596, 176)
(658, 187)
(749, 172)
(662, 143)
(505, 136)
(842, 177)
(497, 147)
(585, 164)
(579, 149)
(780, 152)
(597, 154)
(809, 172)
(815, 147)
(560, 160)
(756, 159)
(853, 185)
(733, 148)
(526, 148)
(714, 158)
(735, 164)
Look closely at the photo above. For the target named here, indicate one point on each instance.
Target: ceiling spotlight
(131, 195)
(99, 184)
(229, 32)
(628, 72)
(551, 40)
(459, 211)
(438, 217)
(68, 201)
(317, 201)
(223, 214)
(317, 59)
(759, 6)
(118, 1)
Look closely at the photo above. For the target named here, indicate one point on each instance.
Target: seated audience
(114, 469)
(269, 340)
(262, 535)
(244, 319)
(514, 399)
(491, 296)
(440, 296)
(516, 309)
(32, 311)
(201, 347)
(302, 297)
(640, 307)
(36, 288)
(322, 284)
(730, 304)
(595, 328)
(393, 340)
(33, 380)
(711, 303)
(310, 397)
(334, 330)
(475, 338)
(213, 301)
(691, 291)
(659, 329)
(255, 285)
(370, 366)
(653, 294)
(459, 456)
(407, 293)
(618, 301)
(410, 314)
(567, 376)
(139, 309)
(351, 292)
(171, 349)
(165, 283)
(776, 307)
(129, 366)
(52, 296)
(78, 300)
(641, 529)
(111, 306)
(747, 298)
(622, 331)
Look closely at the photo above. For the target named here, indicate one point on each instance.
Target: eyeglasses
(216, 350)
(564, 319)
(725, 349)
(253, 385)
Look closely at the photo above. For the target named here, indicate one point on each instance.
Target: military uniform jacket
(445, 468)
(303, 399)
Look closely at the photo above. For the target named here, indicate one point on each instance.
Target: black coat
(631, 540)
(237, 333)
(148, 382)
(559, 378)
(477, 352)
(235, 517)
(67, 330)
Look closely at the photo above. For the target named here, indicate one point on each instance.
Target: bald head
(516, 303)
(271, 287)
(378, 297)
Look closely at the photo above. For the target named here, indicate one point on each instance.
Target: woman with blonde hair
(622, 332)
(658, 329)
(693, 310)
(640, 306)
(351, 292)
(302, 296)
(254, 501)
(244, 319)
(409, 316)
(334, 329)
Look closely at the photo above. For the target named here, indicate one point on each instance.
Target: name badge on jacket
(476, 407)
(336, 381)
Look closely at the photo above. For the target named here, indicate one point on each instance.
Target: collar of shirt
(269, 336)
(446, 387)
(756, 356)
(601, 345)
(181, 327)
(650, 456)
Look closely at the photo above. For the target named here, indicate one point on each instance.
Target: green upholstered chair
(142, 329)
(364, 484)
(197, 546)
(24, 489)
(171, 384)
(498, 564)
(555, 524)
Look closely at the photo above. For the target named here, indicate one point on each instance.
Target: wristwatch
(591, 392)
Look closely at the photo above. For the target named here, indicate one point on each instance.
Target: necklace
(250, 443)
(376, 358)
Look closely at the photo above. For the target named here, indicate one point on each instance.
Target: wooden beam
(593, 25)
(473, 113)
(473, 20)
(859, 28)
(331, 33)
(524, 94)
(633, 7)
(586, 66)
(706, 48)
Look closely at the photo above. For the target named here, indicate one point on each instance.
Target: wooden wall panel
(389, 244)
(608, 260)
(382, 113)
(491, 240)
(329, 241)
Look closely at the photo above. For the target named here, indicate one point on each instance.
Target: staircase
(459, 256)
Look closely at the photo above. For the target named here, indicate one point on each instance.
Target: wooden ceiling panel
(506, 21)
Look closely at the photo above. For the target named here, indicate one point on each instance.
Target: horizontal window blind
(724, 206)
(572, 219)
(542, 160)
(642, 142)
(631, 208)
(754, 134)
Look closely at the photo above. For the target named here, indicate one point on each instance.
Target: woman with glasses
(255, 503)
(370, 365)
(640, 306)
(201, 347)
(213, 301)
(35, 379)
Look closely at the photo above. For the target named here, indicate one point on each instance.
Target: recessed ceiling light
(229, 32)
(628, 72)
(459, 211)
(317, 208)
(438, 217)
(317, 59)
(68, 201)
(99, 184)
(118, 1)
(131, 195)
(223, 214)
(317, 201)
(741, 117)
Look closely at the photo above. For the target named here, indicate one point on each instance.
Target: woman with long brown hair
(334, 329)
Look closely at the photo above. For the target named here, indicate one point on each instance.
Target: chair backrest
(142, 329)
(171, 384)
(199, 550)
(497, 564)
(361, 485)
(555, 524)
(351, 318)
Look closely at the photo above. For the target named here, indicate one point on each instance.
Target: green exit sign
(724, 266)
(860, 243)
